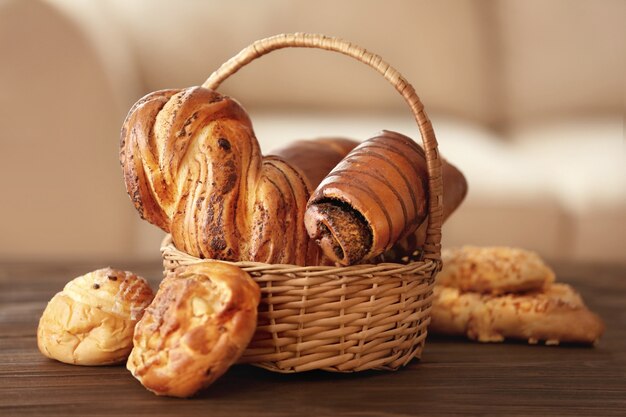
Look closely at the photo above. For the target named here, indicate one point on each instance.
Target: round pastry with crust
(493, 270)
(91, 322)
(199, 324)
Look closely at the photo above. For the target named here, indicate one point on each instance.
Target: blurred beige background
(527, 98)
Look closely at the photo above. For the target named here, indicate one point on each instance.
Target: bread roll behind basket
(193, 167)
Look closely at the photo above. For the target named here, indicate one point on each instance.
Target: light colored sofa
(526, 98)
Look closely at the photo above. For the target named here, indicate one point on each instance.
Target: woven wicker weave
(340, 319)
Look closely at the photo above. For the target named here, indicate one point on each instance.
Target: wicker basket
(340, 319)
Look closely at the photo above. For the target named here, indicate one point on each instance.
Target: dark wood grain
(455, 377)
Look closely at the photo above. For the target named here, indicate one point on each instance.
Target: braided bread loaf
(193, 167)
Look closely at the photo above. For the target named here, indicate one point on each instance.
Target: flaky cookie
(91, 321)
(198, 325)
(493, 270)
(555, 314)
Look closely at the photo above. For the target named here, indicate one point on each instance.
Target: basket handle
(432, 246)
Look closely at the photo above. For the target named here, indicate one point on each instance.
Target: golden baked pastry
(91, 321)
(375, 196)
(493, 270)
(198, 325)
(318, 157)
(555, 314)
(193, 167)
(315, 158)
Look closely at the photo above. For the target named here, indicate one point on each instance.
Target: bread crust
(381, 186)
(315, 158)
(493, 270)
(555, 314)
(91, 321)
(193, 167)
(198, 325)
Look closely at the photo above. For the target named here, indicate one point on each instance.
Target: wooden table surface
(454, 377)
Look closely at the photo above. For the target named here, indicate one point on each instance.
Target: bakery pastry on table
(180, 341)
(91, 321)
(198, 325)
(493, 294)
(493, 270)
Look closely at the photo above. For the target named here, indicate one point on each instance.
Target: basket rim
(168, 249)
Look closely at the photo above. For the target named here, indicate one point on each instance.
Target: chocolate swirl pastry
(375, 196)
(193, 167)
(340, 226)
